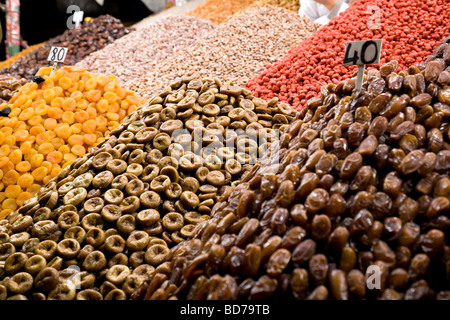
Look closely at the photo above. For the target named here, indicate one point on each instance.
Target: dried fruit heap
(363, 184)
(239, 48)
(219, 11)
(93, 35)
(410, 31)
(8, 86)
(292, 5)
(140, 52)
(115, 212)
(53, 123)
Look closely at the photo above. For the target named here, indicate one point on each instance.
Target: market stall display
(143, 50)
(240, 48)
(116, 212)
(92, 36)
(230, 154)
(51, 124)
(410, 31)
(361, 188)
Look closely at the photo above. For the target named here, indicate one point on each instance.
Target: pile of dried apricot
(52, 123)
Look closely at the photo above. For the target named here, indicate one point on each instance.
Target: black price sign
(363, 52)
(57, 54)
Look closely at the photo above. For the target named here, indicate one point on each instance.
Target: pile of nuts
(239, 48)
(8, 62)
(141, 51)
(219, 11)
(8, 86)
(318, 60)
(361, 194)
(114, 214)
(92, 35)
(51, 124)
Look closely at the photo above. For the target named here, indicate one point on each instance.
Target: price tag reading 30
(363, 52)
(57, 54)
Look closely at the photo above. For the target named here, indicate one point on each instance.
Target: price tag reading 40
(57, 54)
(361, 53)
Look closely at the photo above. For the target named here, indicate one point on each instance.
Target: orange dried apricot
(55, 113)
(35, 120)
(69, 104)
(54, 157)
(25, 180)
(93, 95)
(68, 117)
(78, 150)
(10, 177)
(38, 174)
(90, 126)
(81, 116)
(12, 191)
(45, 148)
(64, 131)
(65, 82)
(16, 156)
(90, 138)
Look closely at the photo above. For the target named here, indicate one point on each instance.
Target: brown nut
(46, 248)
(15, 262)
(68, 219)
(94, 205)
(135, 187)
(89, 294)
(160, 183)
(118, 258)
(115, 244)
(129, 204)
(137, 240)
(20, 283)
(150, 199)
(126, 223)
(92, 220)
(117, 274)
(46, 280)
(95, 237)
(111, 213)
(148, 217)
(173, 221)
(156, 254)
(68, 248)
(112, 196)
(116, 294)
(95, 261)
(35, 264)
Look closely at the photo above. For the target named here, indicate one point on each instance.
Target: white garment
(318, 12)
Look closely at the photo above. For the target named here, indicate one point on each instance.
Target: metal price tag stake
(361, 53)
(56, 55)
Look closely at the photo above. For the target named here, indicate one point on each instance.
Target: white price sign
(57, 54)
(363, 52)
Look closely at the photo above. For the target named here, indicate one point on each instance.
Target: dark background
(41, 20)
